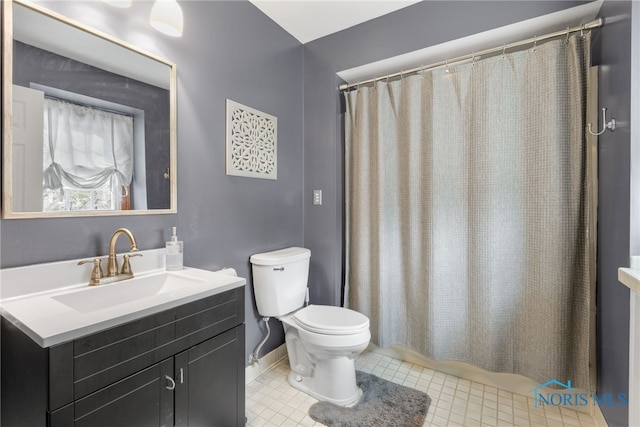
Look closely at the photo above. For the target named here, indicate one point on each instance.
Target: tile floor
(271, 401)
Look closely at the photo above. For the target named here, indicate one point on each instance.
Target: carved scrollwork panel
(252, 141)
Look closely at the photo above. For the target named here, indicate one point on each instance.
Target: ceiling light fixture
(166, 17)
(119, 3)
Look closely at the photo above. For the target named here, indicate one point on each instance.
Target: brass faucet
(112, 262)
(98, 277)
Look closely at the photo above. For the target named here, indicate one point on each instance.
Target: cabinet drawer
(141, 399)
(105, 357)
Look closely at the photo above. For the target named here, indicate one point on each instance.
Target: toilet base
(322, 365)
(306, 385)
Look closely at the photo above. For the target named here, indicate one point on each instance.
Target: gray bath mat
(383, 403)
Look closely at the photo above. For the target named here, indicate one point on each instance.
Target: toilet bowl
(322, 341)
(321, 352)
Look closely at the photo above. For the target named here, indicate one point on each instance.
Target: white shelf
(630, 277)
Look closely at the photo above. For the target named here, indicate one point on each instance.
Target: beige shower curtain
(466, 211)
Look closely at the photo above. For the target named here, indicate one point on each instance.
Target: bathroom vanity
(172, 358)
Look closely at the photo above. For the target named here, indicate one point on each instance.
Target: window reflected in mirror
(88, 157)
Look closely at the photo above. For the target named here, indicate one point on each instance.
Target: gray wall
(228, 50)
(612, 51)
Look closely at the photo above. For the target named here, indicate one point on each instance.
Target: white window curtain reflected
(86, 147)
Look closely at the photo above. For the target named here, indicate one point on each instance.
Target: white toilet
(322, 341)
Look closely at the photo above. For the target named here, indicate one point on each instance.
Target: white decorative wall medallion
(252, 142)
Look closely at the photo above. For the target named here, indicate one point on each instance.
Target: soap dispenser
(174, 252)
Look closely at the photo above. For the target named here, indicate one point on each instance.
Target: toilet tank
(280, 280)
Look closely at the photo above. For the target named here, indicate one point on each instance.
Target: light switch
(317, 197)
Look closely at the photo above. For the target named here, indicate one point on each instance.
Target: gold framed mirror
(89, 121)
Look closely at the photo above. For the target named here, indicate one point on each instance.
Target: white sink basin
(89, 299)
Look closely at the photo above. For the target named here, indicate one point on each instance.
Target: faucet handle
(96, 273)
(126, 265)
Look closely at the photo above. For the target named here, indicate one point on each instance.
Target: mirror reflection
(92, 129)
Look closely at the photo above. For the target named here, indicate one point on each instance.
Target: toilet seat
(330, 320)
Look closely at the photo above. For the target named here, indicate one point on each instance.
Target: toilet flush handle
(278, 268)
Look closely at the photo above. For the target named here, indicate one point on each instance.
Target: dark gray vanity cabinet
(183, 366)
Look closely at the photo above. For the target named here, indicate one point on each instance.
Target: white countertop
(48, 321)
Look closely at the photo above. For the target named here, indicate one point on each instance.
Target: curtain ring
(582, 27)
(535, 42)
(504, 49)
(566, 38)
(422, 70)
(473, 59)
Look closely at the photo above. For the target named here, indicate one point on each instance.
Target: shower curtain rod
(597, 23)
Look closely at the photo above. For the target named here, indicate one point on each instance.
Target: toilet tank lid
(281, 256)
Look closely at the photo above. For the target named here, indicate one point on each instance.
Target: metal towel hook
(611, 124)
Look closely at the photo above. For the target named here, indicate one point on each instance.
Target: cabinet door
(210, 377)
(144, 399)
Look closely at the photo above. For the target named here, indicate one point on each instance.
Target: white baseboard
(266, 362)
(598, 418)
